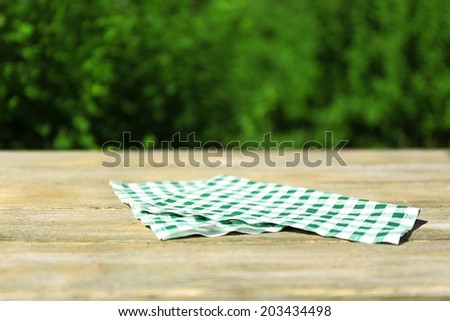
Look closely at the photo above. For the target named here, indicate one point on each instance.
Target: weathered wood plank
(64, 235)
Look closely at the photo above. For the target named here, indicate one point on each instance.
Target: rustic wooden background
(65, 235)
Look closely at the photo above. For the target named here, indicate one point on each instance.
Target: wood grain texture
(65, 235)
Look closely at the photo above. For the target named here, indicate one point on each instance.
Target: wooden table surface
(64, 235)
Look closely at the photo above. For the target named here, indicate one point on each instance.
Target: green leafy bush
(74, 74)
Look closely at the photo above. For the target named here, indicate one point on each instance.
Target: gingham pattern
(225, 204)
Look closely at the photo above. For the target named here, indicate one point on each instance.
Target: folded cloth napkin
(225, 204)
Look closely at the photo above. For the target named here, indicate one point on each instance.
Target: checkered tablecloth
(225, 204)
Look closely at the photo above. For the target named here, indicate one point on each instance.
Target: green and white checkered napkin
(225, 204)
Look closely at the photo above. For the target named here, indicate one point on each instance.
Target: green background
(74, 74)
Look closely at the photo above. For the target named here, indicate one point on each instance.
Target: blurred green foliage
(74, 74)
